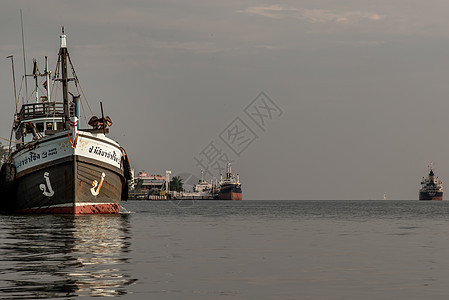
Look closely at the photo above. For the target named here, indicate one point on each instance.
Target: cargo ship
(54, 166)
(432, 187)
(230, 186)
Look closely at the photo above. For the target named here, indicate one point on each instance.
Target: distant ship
(432, 187)
(230, 187)
(203, 188)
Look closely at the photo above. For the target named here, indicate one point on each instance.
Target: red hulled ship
(230, 186)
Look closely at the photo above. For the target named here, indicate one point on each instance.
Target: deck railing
(45, 109)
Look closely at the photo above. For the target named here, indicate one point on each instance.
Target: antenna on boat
(23, 52)
(102, 117)
(13, 79)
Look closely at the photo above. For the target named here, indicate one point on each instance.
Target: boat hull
(230, 196)
(230, 193)
(427, 196)
(69, 184)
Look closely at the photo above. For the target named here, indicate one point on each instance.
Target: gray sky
(363, 86)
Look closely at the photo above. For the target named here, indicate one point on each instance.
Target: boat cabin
(37, 120)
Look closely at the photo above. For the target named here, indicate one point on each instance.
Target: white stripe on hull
(51, 175)
(51, 148)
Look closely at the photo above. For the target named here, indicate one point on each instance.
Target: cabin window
(40, 126)
(49, 125)
(59, 126)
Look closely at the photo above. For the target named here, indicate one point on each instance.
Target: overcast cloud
(362, 85)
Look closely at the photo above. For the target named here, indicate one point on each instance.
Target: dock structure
(139, 195)
(157, 187)
(190, 196)
(148, 187)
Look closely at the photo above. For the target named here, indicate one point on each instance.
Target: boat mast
(36, 74)
(65, 91)
(228, 171)
(23, 54)
(13, 80)
(47, 77)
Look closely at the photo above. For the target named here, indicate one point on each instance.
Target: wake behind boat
(56, 167)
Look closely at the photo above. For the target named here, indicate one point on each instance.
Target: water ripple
(64, 256)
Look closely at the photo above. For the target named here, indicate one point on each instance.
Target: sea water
(231, 250)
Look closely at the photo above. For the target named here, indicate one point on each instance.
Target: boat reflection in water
(52, 256)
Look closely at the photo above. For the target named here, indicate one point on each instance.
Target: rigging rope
(8, 140)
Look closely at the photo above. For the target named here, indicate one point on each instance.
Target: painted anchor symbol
(95, 184)
(46, 189)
